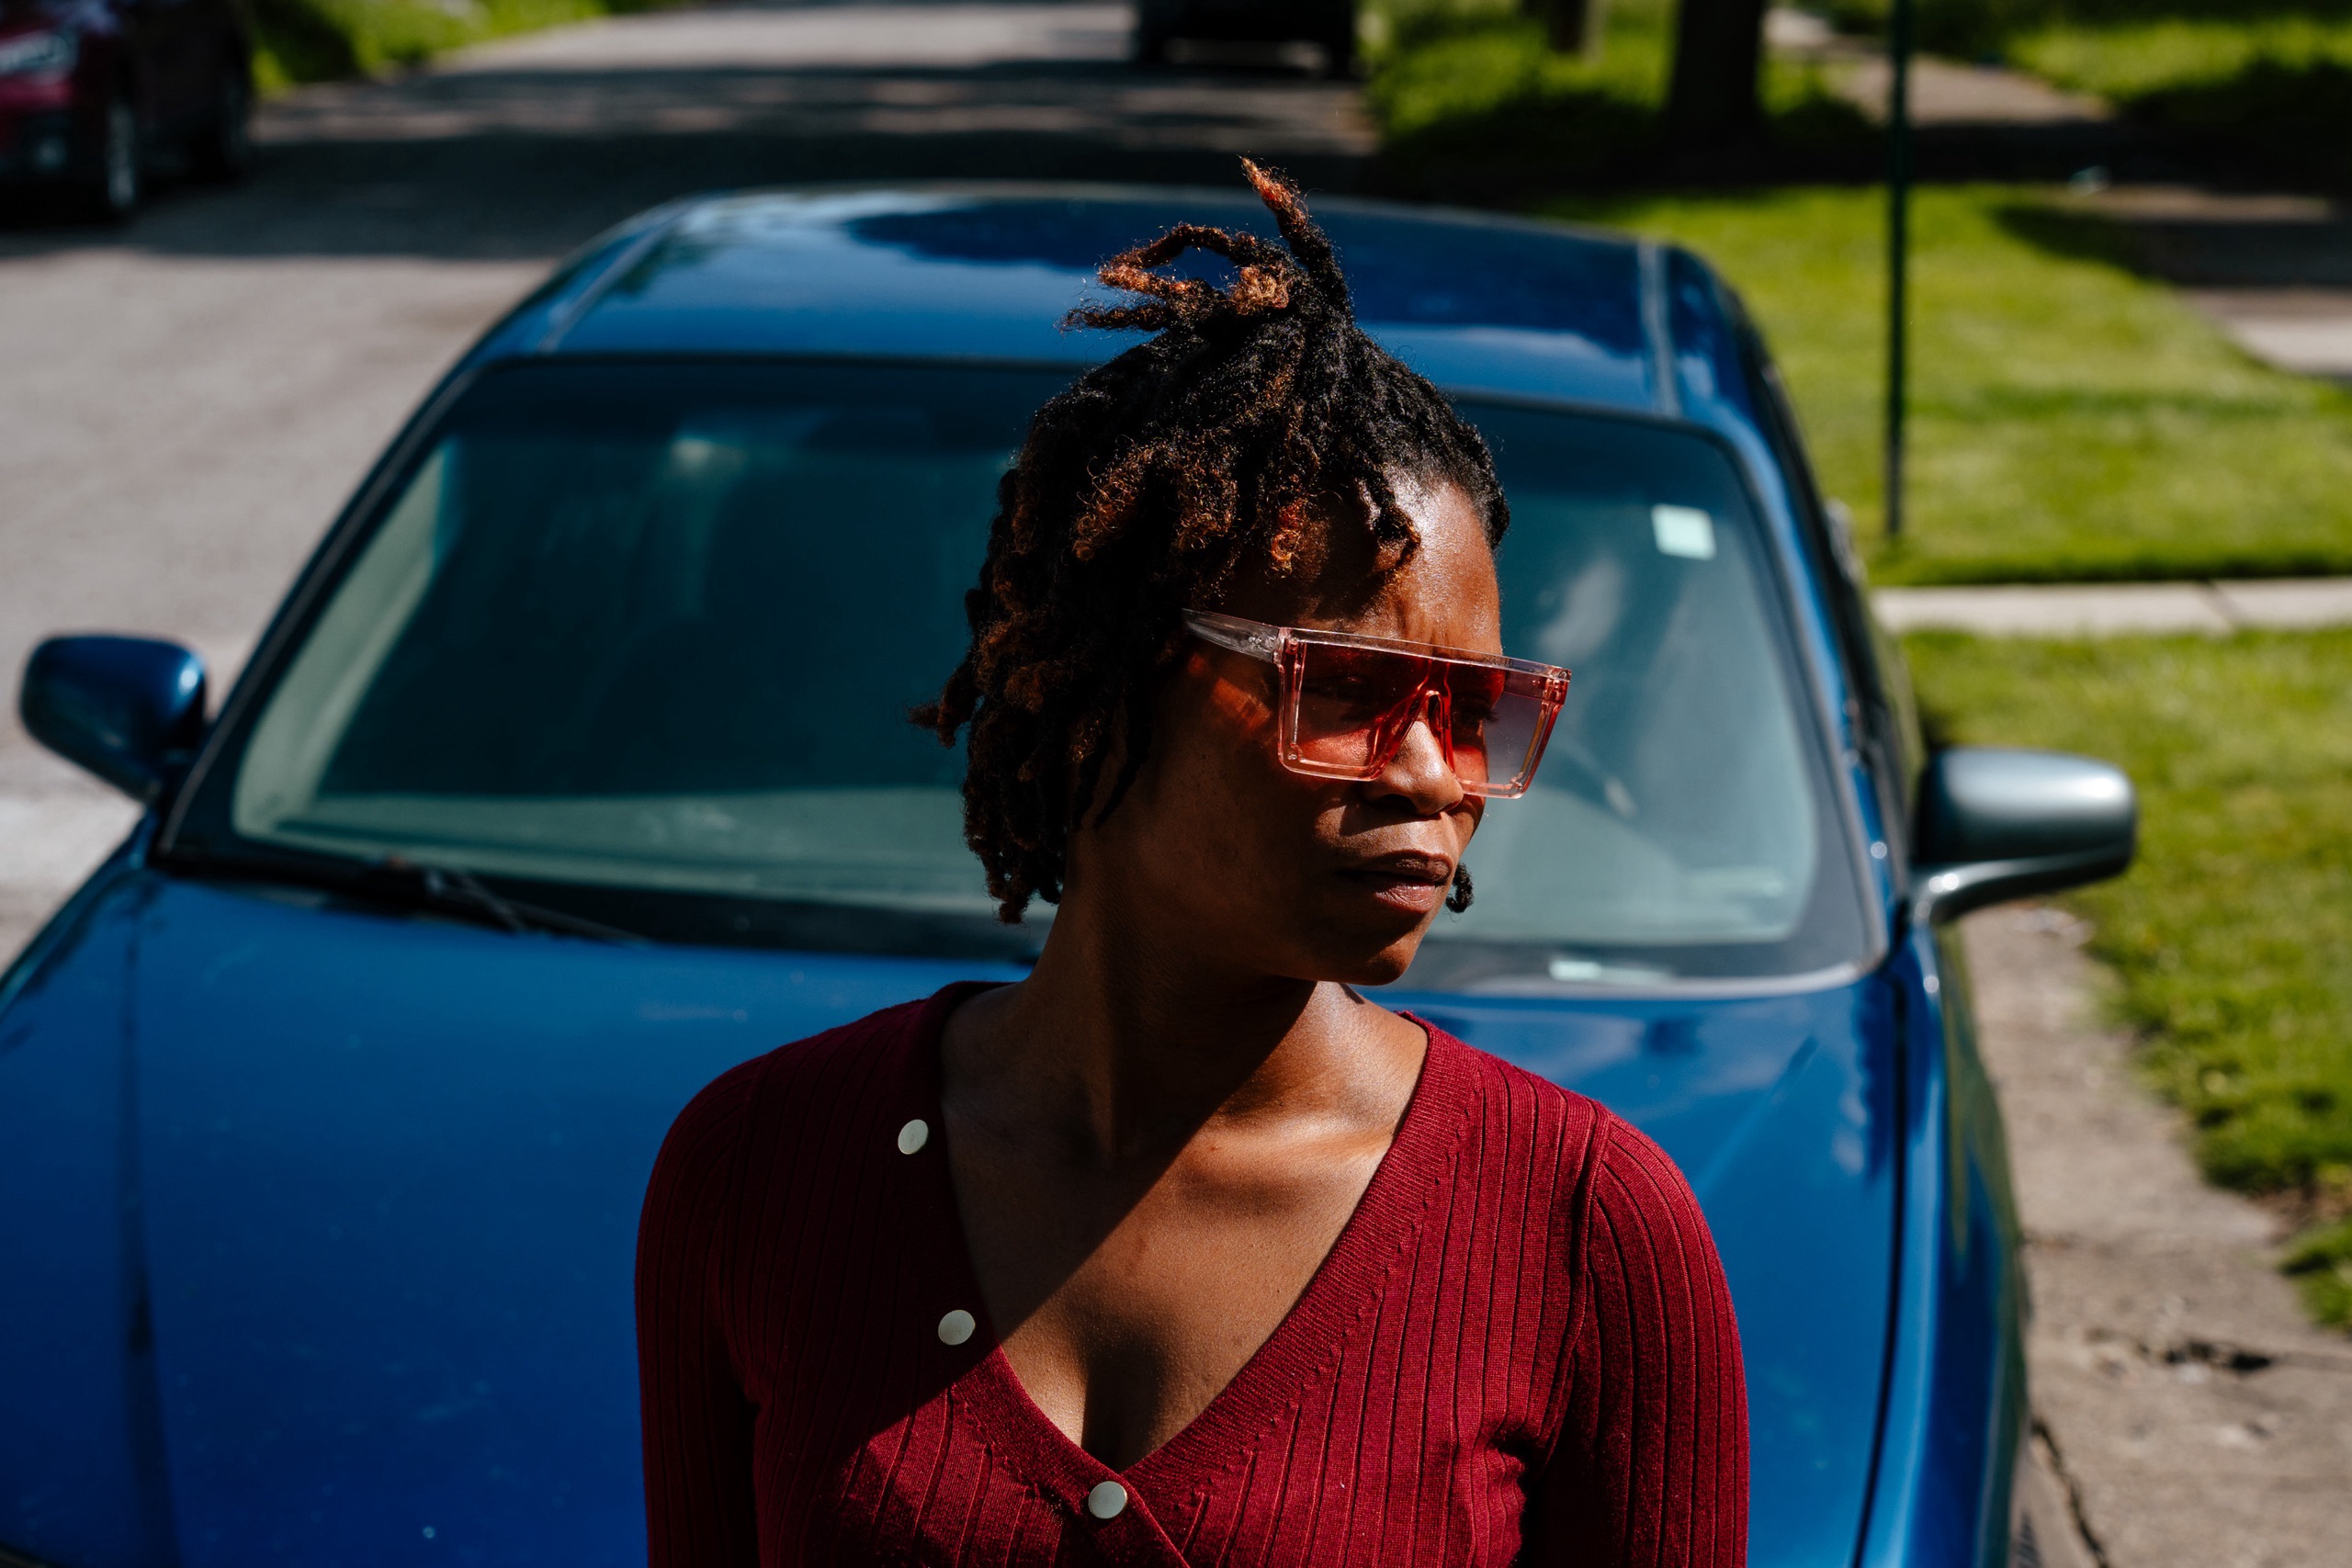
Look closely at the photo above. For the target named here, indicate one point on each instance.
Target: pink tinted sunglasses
(1348, 702)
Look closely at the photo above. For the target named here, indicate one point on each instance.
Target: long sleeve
(697, 1425)
(1651, 1467)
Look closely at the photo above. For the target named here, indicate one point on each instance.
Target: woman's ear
(1112, 762)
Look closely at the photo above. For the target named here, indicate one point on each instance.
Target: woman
(1183, 1250)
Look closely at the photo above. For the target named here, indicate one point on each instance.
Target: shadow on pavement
(2198, 238)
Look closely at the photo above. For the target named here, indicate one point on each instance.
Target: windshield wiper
(401, 882)
(451, 891)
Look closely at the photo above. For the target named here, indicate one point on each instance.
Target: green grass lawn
(2069, 419)
(1476, 80)
(2233, 936)
(314, 41)
(1459, 84)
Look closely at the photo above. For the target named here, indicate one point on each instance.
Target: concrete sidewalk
(2194, 1418)
(2112, 609)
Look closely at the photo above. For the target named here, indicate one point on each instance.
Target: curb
(2212, 609)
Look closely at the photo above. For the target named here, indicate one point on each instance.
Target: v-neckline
(1343, 1290)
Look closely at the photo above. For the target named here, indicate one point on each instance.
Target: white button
(957, 1327)
(914, 1136)
(1107, 1501)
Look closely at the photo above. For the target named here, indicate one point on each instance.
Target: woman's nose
(1420, 772)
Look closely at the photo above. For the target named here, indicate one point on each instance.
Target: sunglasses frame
(1285, 649)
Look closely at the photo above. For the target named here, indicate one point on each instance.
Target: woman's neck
(1126, 1041)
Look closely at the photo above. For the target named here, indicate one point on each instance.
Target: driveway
(188, 400)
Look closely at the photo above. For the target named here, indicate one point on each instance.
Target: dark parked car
(575, 769)
(1331, 24)
(95, 94)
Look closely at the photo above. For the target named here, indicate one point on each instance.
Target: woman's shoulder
(1596, 1160)
(810, 1081)
(1521, 1113)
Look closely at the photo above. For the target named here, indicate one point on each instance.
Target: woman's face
(1249, 866)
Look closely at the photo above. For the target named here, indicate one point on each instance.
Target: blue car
(575, 768)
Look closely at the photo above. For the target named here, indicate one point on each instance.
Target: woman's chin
(1374, 963)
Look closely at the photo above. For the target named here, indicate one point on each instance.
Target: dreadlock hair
(1258, 416)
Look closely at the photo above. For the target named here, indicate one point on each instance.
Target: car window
(652, 630)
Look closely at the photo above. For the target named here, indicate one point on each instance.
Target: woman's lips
(1414, 883)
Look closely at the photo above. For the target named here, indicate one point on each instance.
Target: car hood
(344, 1207)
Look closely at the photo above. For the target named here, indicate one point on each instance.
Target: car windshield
(642, 638)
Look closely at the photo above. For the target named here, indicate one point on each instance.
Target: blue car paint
(81, 1449)
(114, 704)
(1956, 1399)
(389, 1171)
(710, 282)
(331, 1210)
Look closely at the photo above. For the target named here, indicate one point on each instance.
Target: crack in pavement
(2053, 1458)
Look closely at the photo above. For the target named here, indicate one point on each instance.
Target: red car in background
(95, 94)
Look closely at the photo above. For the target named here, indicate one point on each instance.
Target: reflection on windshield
(1679, 808)
(657, 627)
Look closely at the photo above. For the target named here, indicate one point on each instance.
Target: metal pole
(1898, 250)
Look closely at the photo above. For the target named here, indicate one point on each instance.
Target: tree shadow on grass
(2294, 119)
(1570, 136)
(1970, 29)
(2265, 243)
(2073, 235)
(1545, 143)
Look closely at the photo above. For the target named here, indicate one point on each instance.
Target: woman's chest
(1122, 1320)
(1399, 1443)
(1395, 1411)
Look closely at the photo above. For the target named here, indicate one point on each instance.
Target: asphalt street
(185, 401)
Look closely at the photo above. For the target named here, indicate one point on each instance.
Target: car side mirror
(1994, 825)
(130, 709)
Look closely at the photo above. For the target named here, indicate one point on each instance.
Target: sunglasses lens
(1353, 706)
(1477, 702)
(1349, 701)
(1498, 717)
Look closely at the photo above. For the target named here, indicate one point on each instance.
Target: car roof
(1475, 302)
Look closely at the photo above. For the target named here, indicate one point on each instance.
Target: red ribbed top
(1519, 1349)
